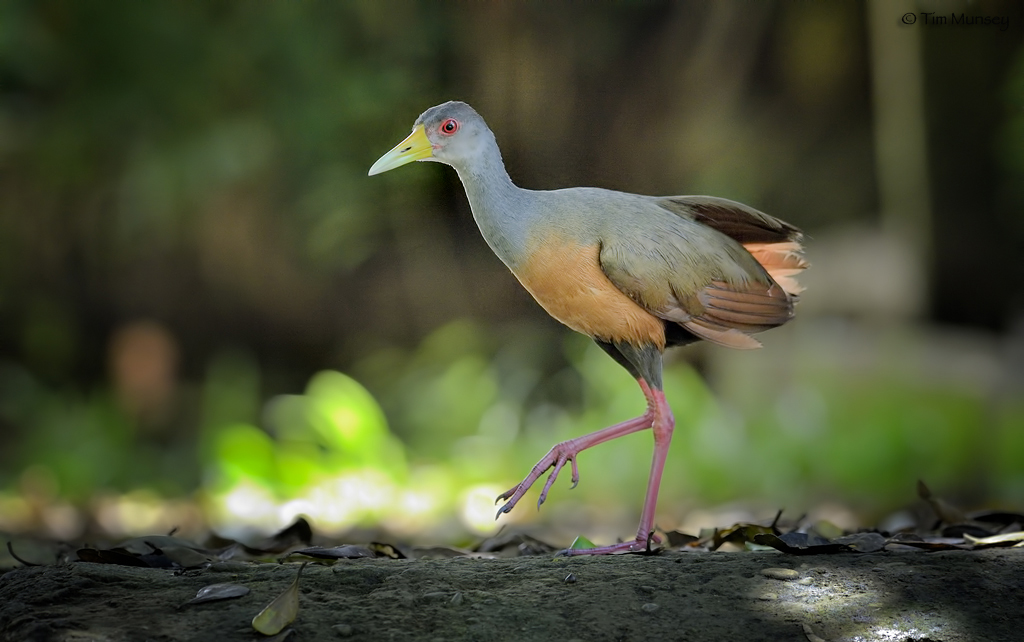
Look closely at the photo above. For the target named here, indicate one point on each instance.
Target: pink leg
(659, 417)
(663, 426)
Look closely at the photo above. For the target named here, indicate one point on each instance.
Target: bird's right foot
(567, 451)
(556, 458)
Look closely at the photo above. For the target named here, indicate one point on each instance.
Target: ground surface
(950, 596)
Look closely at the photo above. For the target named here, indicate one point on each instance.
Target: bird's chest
(566, 279)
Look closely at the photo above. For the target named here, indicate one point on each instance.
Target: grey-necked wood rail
(635, 273)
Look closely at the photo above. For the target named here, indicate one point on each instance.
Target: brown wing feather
(735, 220)
(721, 335)
(748, 310)
(733, 312)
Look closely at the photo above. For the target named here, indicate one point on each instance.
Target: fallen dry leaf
(347, 551)
(215, 592)
(996, 540)
(282, 611)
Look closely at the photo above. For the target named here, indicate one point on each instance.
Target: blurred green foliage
(86, 442)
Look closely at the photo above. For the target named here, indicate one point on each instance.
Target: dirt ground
(951, 596)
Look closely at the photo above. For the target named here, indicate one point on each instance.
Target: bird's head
(451, 133)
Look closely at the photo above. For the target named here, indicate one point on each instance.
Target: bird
(637, 274)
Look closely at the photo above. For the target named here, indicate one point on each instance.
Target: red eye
(449, 127)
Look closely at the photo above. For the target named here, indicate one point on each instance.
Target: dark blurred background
(211, 316)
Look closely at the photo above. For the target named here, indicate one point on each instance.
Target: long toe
(644, 545)
(553, 476)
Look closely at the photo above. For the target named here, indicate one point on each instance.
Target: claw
(551, 480)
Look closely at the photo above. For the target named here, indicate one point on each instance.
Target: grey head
(451, 133)
(454, 134)
(458, 135)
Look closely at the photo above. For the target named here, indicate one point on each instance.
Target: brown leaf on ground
(346, 551)
(282, 611)
(215, 592)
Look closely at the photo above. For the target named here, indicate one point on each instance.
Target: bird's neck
(487, 183)
(499, 207)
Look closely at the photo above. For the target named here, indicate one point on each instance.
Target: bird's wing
(688, 271)
(774, 243)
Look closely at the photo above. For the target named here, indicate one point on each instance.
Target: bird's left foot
(642, 544)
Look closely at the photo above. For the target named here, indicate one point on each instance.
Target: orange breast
(565, 277)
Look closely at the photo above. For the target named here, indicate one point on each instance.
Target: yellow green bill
(415, 147)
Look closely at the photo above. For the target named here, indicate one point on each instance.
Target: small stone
(570, 578)
(805, 581)
(647, 589)
(343, 630)
(768, 597)
(780, 573)
(457, 599)
(650, 607)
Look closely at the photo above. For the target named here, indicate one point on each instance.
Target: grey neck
(499, 207)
